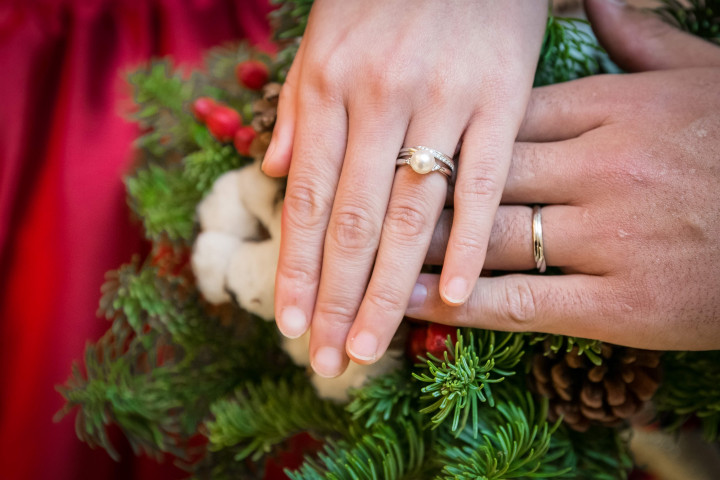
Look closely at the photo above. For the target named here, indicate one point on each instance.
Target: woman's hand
(628, 168)
(372, 76)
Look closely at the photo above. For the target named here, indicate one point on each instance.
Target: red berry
(243, 138)
(202, 107)
(223, 122)
(252, 74)
(436, 336)
(415, 346)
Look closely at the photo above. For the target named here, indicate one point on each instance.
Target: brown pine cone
(584, 394)
(265, 109)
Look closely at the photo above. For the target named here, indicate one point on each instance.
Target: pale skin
(628, 167)
(372, 76)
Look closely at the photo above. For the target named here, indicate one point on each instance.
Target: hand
(372, 76)
(627, 167)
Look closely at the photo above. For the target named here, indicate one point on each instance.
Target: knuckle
(480, 185)
(298, 272)
(386, 299)
(518, 304)
(352, 228)
(405, 222)
(304, 205)
(340, 313)
(466, 243)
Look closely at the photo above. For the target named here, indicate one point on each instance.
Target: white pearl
(422, 162)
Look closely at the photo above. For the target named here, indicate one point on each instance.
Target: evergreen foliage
(382, 398)
(461, 382)
(569, 51)
(699, 17)
(257, 417)
(515, 442)
(557, 343)
(384, 452)
(171, 368)
(691, 387)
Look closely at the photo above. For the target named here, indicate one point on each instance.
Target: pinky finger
(277, 158)
(576, 305)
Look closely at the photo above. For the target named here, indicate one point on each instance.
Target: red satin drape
(64, 146)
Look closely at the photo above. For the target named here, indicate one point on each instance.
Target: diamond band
(425, 160)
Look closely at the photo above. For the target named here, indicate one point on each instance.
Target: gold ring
(537, 240)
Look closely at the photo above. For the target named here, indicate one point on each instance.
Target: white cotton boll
(210, 260)
(258, 193)
(354, 376)
(251, 276)
(223, 210)
(298, 349)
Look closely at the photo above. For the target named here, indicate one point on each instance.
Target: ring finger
(414, 208)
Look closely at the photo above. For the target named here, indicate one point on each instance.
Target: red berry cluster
(225, 123)
(429, 338)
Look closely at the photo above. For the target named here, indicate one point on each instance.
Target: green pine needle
(699, 17)
(257, 417)
(382, 398)
(384, 452)
(515, 442)
(691, 386)
(460, 383)
(560, 343)
(568, 51)
(165, 200)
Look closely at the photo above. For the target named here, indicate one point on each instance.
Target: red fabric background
(64, 146)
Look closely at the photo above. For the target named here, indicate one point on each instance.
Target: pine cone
(584, 393)
(265, 109)
(263, 122)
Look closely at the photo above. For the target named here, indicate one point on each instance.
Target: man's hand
(628, 168)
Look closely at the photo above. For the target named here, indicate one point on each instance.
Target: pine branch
(598, 454)
(556, 343)
(390, 451)
(515, 443)
(568, 51)
(165, 200)
(461, 382)
(699, 17)
(257, 417)
(691, 387)
(382, 398)
(204, 166)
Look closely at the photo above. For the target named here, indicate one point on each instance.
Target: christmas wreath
(191, 366)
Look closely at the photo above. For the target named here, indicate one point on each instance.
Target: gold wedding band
(537, 240)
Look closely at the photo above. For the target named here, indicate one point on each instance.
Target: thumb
(640, 41)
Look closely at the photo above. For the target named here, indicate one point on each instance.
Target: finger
(567, 233)
(482, 171)
(321, 134)
(412, 213)
(538, 169)
(577, 305)
(567, 110)
(642, 41)
(354, 231)
(279, 152)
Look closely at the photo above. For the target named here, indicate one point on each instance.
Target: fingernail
(456, 290)
(364, 346)
(418, 296)
(327, 362)
(268, 153)
(293, 322)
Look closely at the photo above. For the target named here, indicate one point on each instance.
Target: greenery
(211, 386)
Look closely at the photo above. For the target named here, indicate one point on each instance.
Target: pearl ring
(425, 160)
